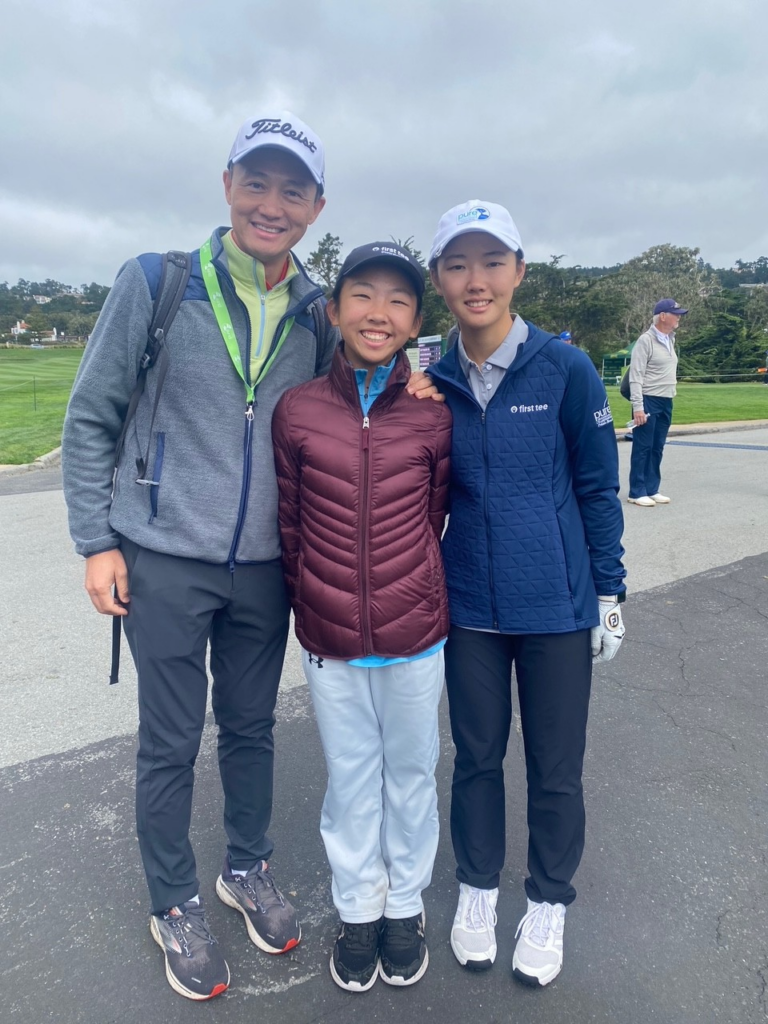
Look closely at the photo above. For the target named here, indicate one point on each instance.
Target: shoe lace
(538, 924)
(260, 886)
(191, 929)
(401, 931)
(358, 938)
(480, 915)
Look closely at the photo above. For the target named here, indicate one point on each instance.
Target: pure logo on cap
(279, 127)
(476, 213)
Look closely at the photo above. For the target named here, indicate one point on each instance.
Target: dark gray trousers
(177, 606)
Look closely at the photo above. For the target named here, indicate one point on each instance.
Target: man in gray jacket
(190, 540)
(652, 385)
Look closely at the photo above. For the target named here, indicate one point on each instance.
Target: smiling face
(273, 200)
(477, 276)
(376, 312)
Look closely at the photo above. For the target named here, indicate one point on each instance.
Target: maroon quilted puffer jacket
(362, 507)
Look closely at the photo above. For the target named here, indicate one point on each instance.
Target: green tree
(79, 325)
(435, 316)
(38, 323)
(324, 262)
(94, 296)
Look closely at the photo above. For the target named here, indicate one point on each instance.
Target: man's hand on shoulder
(102, 572)
(420, 386)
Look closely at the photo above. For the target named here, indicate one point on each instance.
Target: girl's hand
(420, 386)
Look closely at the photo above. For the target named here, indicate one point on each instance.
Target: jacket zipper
(494, 613)
(248, 432)
(364, 545)
(486, 468)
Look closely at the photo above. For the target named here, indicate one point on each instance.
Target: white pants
(379, 821)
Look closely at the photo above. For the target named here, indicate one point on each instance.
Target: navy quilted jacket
(535, 528)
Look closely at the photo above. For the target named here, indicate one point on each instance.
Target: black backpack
(624, 386)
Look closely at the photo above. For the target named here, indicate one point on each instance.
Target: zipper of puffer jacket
(364, 527)
(488, 521)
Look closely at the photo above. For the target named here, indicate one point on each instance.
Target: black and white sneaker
(269, 917)
(355, 956)
(194, 964)
(404, 955)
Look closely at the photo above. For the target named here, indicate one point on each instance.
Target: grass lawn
(705, 403)
(29, 378)
(43, 377)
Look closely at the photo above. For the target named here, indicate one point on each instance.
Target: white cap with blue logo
(476, 215)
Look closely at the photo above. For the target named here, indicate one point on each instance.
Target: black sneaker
(404, 956)
(194, 965)
(355, 955)
(269, 917)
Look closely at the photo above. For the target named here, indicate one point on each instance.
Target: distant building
(41, 299)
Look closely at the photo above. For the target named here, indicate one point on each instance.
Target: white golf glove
(607, 636)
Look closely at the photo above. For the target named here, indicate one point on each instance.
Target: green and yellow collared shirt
(266, 306)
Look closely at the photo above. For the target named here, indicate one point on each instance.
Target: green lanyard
(224, 320)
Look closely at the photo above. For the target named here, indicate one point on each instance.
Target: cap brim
(284, 147)
(465, 230)
(415, 277)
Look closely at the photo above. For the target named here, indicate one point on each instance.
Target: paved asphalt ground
(671, 924)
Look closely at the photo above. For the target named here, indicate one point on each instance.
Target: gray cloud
(604, 129)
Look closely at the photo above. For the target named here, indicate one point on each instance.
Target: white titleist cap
(282, 130)
(476, 215)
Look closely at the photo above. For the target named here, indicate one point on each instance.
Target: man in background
(652, 385)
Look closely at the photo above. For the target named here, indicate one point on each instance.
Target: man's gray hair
(656, 318)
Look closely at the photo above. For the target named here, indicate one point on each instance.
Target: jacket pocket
(157, 471)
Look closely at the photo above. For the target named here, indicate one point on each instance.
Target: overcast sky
(605, 127)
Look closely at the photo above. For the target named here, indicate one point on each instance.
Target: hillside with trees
(604, 308)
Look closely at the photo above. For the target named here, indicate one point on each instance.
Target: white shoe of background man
(539, 951)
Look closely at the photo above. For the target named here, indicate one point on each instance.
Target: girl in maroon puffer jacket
(363, 474)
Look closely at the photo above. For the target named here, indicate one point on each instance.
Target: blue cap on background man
(669, 306)
(565, 336)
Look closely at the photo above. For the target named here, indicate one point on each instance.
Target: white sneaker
(645, 501)
(473, 936)
(660, 499)
(539, 951)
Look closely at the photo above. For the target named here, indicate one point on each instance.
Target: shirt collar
(505, 354)
(247, 271)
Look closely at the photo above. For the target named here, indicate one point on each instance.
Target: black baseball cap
(384, 252)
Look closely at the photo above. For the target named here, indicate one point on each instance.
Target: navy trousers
(554, 675)
(648, 447)
(178, 606)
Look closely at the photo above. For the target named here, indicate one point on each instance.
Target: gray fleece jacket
(652, 369)
(215, 491)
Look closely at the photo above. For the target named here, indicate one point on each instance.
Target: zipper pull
(249, 410)
(366, 432)
(366, 423)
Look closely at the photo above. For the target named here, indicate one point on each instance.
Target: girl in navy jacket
(535, 579)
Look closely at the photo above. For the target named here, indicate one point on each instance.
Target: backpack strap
(322, 332)
(177, 267)
(176, 270)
